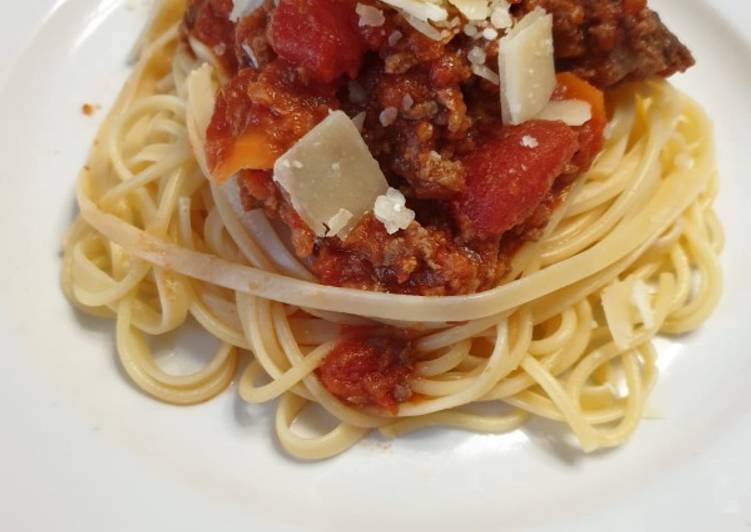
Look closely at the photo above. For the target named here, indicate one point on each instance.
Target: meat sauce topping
(479, 188)
(370, 367)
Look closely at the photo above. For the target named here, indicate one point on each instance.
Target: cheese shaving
(369, 16)
(526, 67)
(528, 141)
(640, 299)
(423, 27)
(570, 112)
(616, 303)
(484, 72)
(500, 17)
(391, 210)
(472, 9)
(338, 222)
(626, 303)
(328, 170)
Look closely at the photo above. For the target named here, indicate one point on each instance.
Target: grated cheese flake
(394, 37)
(500, 17)
(472, 9)
(617, 309)
(484, 72)
(423, 27)
(489, 34)
(338, 222)
(528, 141)
(476, 55)
(388, 116)
(640, 300)
(369, 16)
(570, 112)
(470, 30)
(391, 210)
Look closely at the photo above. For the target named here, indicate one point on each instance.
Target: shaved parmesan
(484, 72)
(470, 30)
(472, 9)
(369, 15)
(420, 10)
(490, 34)
(570, 112)
(338, 222)
(526, 67)
(423, 27)
(500, 17)
(330, 170)
(528, 141)
(616, 303)
(619, 301)
(476, 55)
(391, 210)
(388, 116)
(242, 8)
(640, 299)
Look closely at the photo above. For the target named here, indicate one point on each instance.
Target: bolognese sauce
(479, 188)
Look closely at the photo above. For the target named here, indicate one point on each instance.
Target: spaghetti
(631, 253)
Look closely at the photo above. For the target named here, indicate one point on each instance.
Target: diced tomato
(508, 176)
(591, 139)
(370, 368)
(319, 35)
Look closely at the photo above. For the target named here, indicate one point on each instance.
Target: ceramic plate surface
(83, 450)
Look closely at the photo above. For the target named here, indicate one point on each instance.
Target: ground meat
(609, 41)
(370, 367)
(478, 190)
(424, 80)
(418, 260)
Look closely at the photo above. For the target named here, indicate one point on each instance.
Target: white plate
(82, 450)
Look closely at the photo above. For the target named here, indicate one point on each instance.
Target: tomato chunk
(319, 35)
(509, 176)
(370, 368)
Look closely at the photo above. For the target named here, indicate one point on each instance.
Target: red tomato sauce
(479, 189)
(370, 367)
